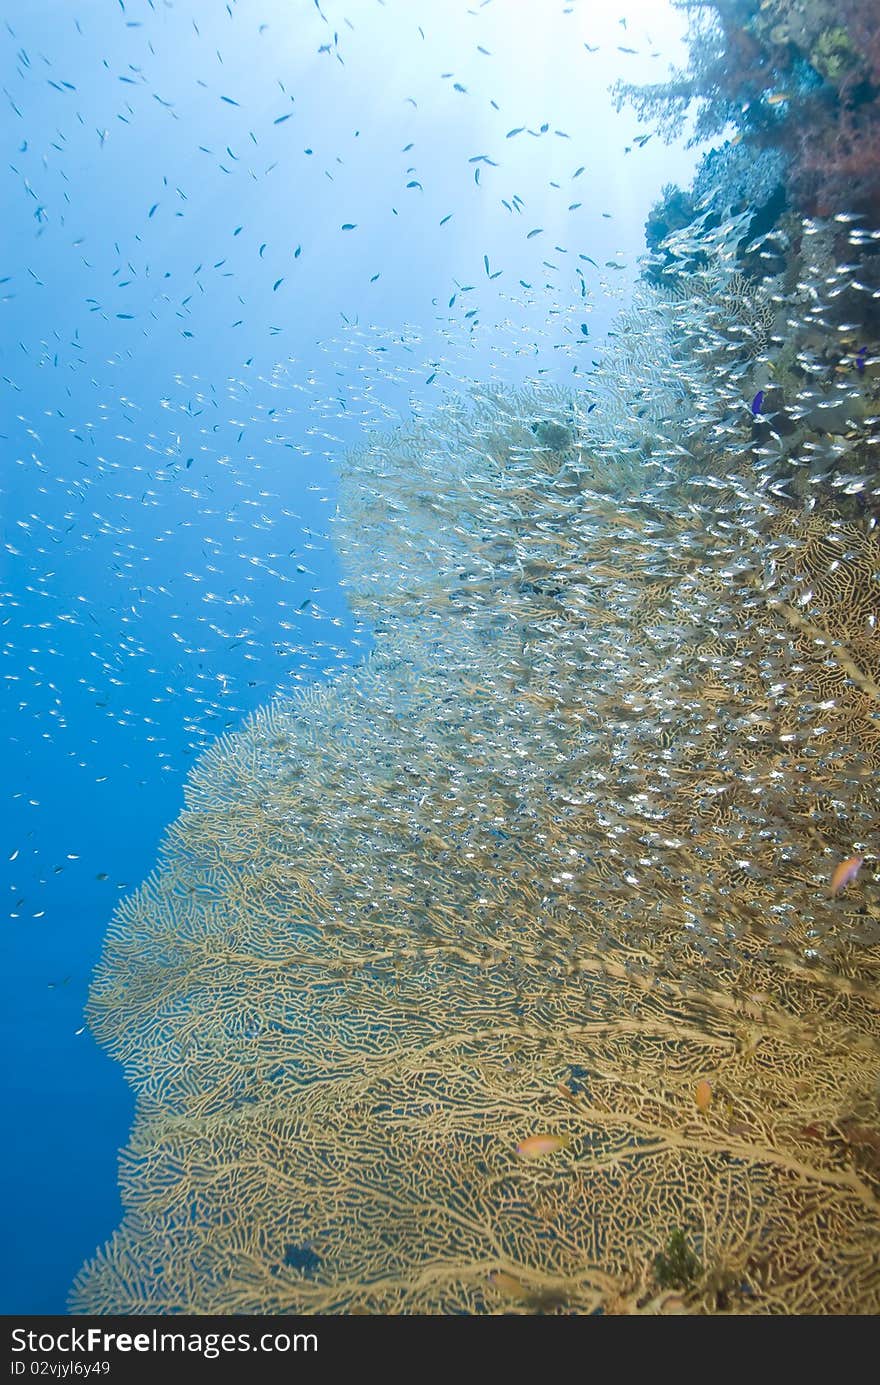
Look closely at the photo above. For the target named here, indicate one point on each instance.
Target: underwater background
(440, 562)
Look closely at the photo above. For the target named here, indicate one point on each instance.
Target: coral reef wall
(555, 862)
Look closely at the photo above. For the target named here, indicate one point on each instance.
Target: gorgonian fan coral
(554, 863)
(551, 873)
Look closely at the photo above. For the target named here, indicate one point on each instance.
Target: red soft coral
(836, 167)
(836, 149)
(861, 21)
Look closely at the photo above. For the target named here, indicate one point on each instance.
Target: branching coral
(735, 178)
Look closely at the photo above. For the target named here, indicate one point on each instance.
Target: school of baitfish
(204, 495)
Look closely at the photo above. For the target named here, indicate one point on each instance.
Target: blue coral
(735, 177)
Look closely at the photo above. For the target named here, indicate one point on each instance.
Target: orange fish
(703, 1094)
(775, 97)
(536, 1146)
(844, 874)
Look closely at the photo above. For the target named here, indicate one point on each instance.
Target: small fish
(537, 1146)
(703, 1094)
(776, 96)
(349, 225)
(844, 874)
(508, 1284)
(757, 403)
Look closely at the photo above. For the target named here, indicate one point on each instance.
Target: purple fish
(758, 403)
(860, 359)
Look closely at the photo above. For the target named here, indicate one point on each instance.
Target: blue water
(177, 384)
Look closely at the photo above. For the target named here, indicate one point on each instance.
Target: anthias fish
(844, 874)
(537, 1146)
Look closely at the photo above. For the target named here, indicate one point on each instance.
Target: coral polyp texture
(554, 862)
